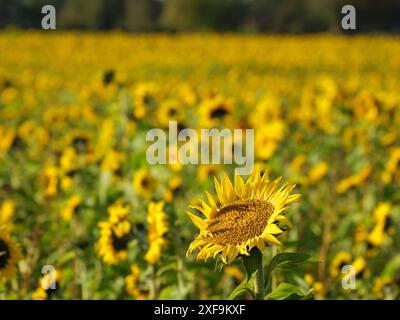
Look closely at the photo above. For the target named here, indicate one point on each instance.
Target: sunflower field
(77, 193)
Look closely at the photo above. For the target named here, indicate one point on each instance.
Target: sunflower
(7, 137)
(174, 187)
(7, 210)
(354, 180)
(10, 254)
(131, 282)
(41, 293)
(169, 110)
(70, 207)
(158, 226)
(205, 171)
(242, 216)
(69, 160)
(392, 171)
(383, 286)
(112, 161)
(49, 178)
(267, 138)
(144, 183)
(383, 225)
(318, 287)
(115, 235)
(341, 259)
(317, 172)
(216, 111)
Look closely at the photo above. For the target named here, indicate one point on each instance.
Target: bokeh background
(272, 16)
(76, 191)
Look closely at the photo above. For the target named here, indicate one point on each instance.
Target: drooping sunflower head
(243, 215)
(10, 254)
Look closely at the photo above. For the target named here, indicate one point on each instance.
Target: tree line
(272, 16)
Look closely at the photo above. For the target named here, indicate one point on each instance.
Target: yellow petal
(270, 238)
(199, 223)
(284, 220)
(218, 189)
(239, 186)
(272, 229)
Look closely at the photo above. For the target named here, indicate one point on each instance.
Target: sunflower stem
(259, 281)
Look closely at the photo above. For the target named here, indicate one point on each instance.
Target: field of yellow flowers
(77, 193)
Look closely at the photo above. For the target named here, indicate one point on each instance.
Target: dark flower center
(120, 243)
(219, 112)
(4, 253)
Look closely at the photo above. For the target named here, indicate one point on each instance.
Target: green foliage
(287, 291)
(252, 262)
(241, 290)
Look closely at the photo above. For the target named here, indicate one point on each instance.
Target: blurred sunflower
(383, 286)
(157, 227)
(10, 254)
(168, 111)
(70, 207)
(7, 210)
(7, 137)
(383, 224)
(41, 293)
(318, 287)
(317, 172)
(131, 282)
(49, 179)
(144, 183)
(115, 234)
(344, 258)
(174, 186)
(216, 111)
(354, 180)
(267, 138)
(341, 259)
(242, 216)
(205, 171)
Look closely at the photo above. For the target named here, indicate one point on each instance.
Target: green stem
(152, 283)
(273, 275)
(259, 282)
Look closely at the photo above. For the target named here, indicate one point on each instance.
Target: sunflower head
(144, 183)
(10, 254)
(243, 215)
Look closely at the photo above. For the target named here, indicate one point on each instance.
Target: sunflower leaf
(286, 260)
(252, 262)
(287, 291)
(241, 290)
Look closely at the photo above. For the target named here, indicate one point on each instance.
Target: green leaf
(285, 261)
(391, 267)
(252, 262)
(241, 290)
(68, 256)
(288, 260)
(287, 291)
